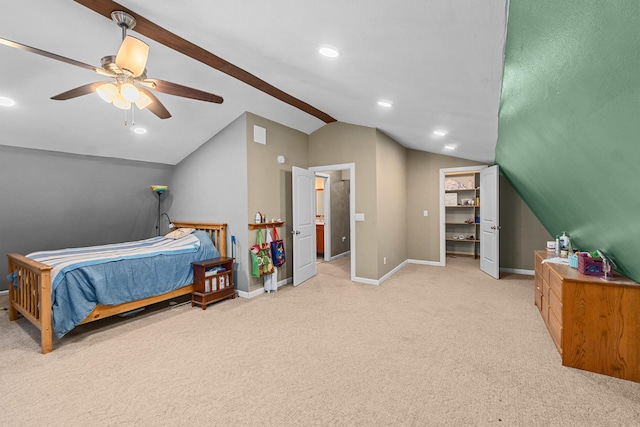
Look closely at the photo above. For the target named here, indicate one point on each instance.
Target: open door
(489, 221)
(304, 224)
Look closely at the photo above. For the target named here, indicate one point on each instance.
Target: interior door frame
(443, 241)
(326, 200)
(351, 167)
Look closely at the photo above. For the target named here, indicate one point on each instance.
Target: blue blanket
(114, 274)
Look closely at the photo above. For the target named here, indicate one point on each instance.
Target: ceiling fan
(129, 84)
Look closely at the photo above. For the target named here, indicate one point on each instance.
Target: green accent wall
(569, 120)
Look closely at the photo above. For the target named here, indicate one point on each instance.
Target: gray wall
(210, 185)
(340, 220)
(54, 200)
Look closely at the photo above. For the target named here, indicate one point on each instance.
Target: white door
(304, 224)
(490, 221)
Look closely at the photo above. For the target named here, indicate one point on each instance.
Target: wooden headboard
(217, 231)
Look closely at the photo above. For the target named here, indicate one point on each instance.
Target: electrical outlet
(344, 238)
(425, 213)
(384, 260)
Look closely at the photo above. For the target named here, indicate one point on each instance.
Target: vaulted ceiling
(438, 62)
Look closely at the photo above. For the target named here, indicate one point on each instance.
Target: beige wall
(520, 231)
(391, 181)
(423, 193)
(337, 143)
(269, 183)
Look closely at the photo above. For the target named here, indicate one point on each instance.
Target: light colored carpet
(430, 346)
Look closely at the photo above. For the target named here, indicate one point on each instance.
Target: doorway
(338, 213)
(486, 224)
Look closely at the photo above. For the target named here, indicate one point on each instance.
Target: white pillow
(180, 233)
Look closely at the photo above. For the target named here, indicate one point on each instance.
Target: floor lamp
(159, 190)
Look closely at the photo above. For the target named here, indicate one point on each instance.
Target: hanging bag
(277, 249)
(261, 262)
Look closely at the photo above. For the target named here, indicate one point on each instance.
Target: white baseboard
(257, 292)
(333, 258)
(383, 278)
(518, 271)
(365, 280)
(4, 292)
(421, 262)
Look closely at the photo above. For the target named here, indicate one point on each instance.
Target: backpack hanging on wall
(261, 262)
(277, 249)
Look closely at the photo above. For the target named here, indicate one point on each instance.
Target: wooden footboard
(30, 295)
(30, 291)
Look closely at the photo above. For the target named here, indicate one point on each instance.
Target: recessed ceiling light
(7, 102)
(386, 104)
(140, 131)
(329, 51)
(449, 147)
(439, 132)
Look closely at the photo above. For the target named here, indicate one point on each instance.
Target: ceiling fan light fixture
(132, 56)
(108, 92)
(129, 92)
(143, 101)
(122, 103)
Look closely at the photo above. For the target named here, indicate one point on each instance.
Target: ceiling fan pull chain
(133, 116)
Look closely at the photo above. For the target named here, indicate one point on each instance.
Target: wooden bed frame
(32, 297)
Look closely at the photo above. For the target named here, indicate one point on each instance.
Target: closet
(462, 213)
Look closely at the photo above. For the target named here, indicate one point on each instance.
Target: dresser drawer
(537, 281)
(555, 306)
(555, 328)
(545, 289)
(544, 308)
(555, 283)
(538, 298)
(545, 272)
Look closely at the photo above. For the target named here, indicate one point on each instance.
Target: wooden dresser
(595, 324)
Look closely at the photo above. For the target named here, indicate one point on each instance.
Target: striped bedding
(64, 260)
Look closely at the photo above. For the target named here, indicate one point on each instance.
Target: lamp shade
(132, 56)
(129, 92)
(120, 102)
(159, 188)
(107, 92)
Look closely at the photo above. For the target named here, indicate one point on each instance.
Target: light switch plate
(359, 217)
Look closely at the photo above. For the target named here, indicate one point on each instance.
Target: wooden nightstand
(210, 285)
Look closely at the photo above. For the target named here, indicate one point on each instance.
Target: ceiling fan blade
(183, 91)
(50, 55)
(177, 43)
(79, 91)
(156, 106)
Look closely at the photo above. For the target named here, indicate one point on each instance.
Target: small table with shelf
(210, 286)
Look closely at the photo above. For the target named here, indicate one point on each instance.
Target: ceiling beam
(177, 43)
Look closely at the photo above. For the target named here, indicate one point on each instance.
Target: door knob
(295, 232)
(493, 227)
